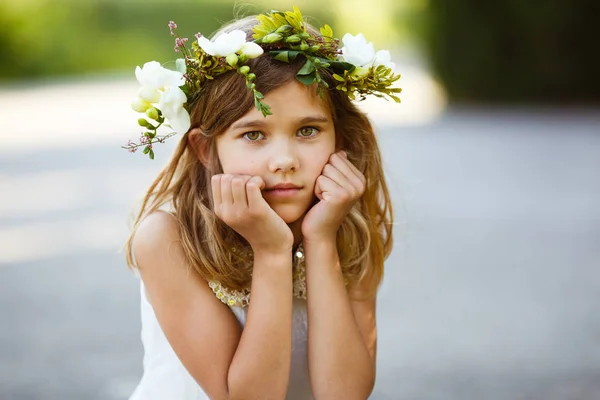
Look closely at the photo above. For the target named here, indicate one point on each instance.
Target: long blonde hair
(364, 239)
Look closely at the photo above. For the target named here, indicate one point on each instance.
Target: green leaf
(266, 22)
(146, 150)
(396, 98)
(326, 31)
(307, 69)
(151, 153)
(340, 66)
(287, 56)
(307, 79)
(279, 19)
(264, 109)
(283, 56)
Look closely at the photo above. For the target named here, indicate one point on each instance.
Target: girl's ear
(199, 143)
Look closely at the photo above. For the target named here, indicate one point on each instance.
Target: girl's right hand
(239, 203)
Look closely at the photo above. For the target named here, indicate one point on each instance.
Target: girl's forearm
(260, 368)
(340, 366)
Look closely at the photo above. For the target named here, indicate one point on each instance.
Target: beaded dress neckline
(241, 298)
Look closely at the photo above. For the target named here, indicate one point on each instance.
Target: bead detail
(241, 298)
(228, 296)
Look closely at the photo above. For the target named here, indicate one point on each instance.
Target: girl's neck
(296, 228)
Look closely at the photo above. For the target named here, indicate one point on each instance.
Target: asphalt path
(492, 290)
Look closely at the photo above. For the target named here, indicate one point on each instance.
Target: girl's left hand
(338, 188)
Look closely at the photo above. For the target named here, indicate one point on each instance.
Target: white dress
(165, 377)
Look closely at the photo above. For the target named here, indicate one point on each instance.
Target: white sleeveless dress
(165, 377)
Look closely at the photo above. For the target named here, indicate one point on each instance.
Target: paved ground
(492, 291)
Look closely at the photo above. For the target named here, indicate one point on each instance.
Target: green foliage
(78, 37)
(287, 29)
(40, 38)
(377, 81)
(516, 51)
(278, 23)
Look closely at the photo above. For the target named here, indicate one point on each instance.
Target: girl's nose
(283, 158)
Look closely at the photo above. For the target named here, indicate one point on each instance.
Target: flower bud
(284, 29)
(314, 48)
(304, 35)
(272, 38)
(152, 113)
(140, 105)
(304, 46)
(143, 122)
(251, 77)
(232, 59)
(244, 70)
(293, 39)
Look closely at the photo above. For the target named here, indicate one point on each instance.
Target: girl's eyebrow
(257, 123)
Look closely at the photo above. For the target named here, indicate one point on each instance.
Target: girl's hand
(239, 203)
(338, 188)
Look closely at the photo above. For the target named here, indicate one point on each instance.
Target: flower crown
(167, 95)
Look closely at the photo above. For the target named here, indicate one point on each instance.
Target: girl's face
(288, 148)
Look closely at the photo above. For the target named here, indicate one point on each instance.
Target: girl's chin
(290, 214)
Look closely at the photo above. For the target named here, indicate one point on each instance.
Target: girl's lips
(282, 193)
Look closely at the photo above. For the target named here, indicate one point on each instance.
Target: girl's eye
(308, 131)
(253, 136)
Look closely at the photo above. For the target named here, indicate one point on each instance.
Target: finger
(354, 168)
(238, 190)
(226, 195)
(340, 160)
(325, 187)
(253, 192)
(352, 174)
(338, 177)
(216, 189)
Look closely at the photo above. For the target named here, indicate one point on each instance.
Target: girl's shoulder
(156, 229)
(202, 332)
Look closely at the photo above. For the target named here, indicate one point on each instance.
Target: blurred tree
(514, 50)
(41, 38)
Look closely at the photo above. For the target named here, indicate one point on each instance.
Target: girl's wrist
(320, 244)
(282, 251)
(321, 253)
(320, 238)
(273, 247)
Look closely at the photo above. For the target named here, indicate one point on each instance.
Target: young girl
(260, 246)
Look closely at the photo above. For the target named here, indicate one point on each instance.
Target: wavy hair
(364, 239)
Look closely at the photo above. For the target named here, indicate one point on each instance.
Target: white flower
(161, 85)
(357, 51)
(171, 105)
(383, 57)
(251, 49)
(148, 94)
(224, 44)
(155, 76)
(228, 43)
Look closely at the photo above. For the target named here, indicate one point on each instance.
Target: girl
(260, 246)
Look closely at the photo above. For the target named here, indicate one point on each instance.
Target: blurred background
(493, 159)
